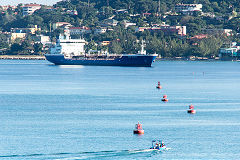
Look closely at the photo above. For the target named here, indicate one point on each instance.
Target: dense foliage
(92, 12)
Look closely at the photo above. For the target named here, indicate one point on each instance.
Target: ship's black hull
(125, 60)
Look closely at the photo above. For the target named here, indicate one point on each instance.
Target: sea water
(50, 112)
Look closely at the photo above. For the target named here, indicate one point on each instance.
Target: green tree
(15, 48)
(91, 46)
(38, 47)
(115, 47)
(3, 41)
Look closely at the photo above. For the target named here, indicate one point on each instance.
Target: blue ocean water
(50, 112)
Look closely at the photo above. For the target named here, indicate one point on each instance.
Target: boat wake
(131, 154)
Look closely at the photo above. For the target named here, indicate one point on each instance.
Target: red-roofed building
(146, 14)
(198, 37)
(29, 9)
(4, 8)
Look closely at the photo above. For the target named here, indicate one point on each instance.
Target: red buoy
(191, 109)
(138, 129)
(159, 86)
(165, 98)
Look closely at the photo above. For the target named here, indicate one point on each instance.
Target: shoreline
(38, 57)
(22, 57)
(192, 58)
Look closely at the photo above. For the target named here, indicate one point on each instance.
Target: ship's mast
(159, 7)
(142, 51)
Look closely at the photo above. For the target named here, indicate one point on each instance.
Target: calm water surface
(50, 112)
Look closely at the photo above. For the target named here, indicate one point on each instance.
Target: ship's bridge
(71, 47)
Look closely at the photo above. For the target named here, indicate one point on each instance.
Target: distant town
(176, 30)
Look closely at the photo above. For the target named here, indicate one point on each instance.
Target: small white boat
(158, 145)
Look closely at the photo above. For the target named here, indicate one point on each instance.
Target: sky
(16, 2)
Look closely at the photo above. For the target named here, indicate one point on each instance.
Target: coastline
(187, 59)
(39, 57)
(23, 57)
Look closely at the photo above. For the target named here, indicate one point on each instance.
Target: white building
(188, 7)
(29, 9)
(126, 23)
(18, 35)
(100, 30)
(61, 24)
(109, 22)
(42, 39)
(72, 12)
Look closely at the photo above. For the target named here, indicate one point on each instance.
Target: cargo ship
(69, 51)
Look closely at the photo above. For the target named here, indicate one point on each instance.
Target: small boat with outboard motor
(158, 145)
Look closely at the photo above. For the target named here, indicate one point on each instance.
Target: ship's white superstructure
(68, 47)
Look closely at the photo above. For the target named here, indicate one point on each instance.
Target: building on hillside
(227, 32)
(142, 29)
(72, 12)
(4, 8)
(146, 14)
(126, 23)
(100, 30)
(61, 24)
(109, 22)
(50, 8)
(22, 32)
(3, 50)
(197, 38)
(121, 11)
(29, 9)
(14, 36)
(26, 30)
(105, 43)
(42, 39)
(179, 30)
(79, 30)
(188, 8)
(208, 14)
(134, 15)
(231, 53)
